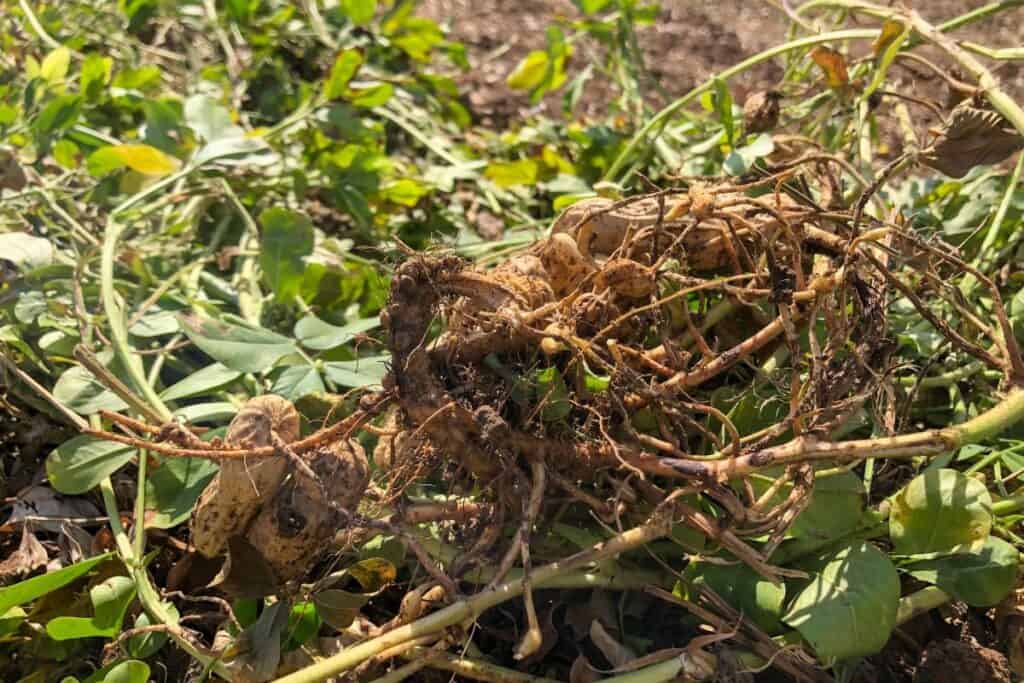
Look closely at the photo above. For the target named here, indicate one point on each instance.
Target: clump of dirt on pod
(283, 512)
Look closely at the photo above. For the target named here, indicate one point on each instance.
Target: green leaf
(372, 96)
(723, 107)
(591, 6)
(38, 586)
(11, 621)
(297, 381)
(939, 511)
(245, 349)
(551, 390)
(530, 71)
(287, 239)
(207, 380)
(130, 671)
(79, 390)
(148, 644)
(314, 333)
(303, 624)
(209, 119)
(95, 75)
(110, 601)
(173, 489)
(359, 12)
(60, 113)
(981, 578)
(510, 173)
(346, 64)
(79, 464)
(406, 192)
(740, 160)
(836, 507)
(744, 589)
(55, 66)
(364, 372)
(26, 251)
(215, 411)
(849, 607)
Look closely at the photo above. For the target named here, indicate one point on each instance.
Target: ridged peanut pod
(232, 499)
(297, 524)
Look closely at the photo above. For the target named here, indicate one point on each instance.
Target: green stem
(112, 307)
(653, 127)
(1004, 54)
(470, 608)
(476, 669)
(656, 673)
(918, 603)
(147, 594)
(1008, 506)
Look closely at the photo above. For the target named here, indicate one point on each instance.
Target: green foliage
(940, 511)
(849, 607)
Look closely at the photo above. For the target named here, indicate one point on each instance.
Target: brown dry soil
(689, 42)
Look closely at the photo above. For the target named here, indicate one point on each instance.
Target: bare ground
(689, 42)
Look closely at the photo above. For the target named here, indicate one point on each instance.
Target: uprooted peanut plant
(745, 405)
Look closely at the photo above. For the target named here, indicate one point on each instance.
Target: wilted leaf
(339, 607)
(972, 137)
(246, 573)
(891, 29)
(257, 651)
(12, 175)
(28, 557)
(832, 64)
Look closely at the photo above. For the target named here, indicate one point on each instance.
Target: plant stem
(147, 594)
(471, 607)
(473, 668)
(112, 307)
(918, 603)
(1007, 412)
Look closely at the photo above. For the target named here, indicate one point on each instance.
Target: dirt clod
(952, 661)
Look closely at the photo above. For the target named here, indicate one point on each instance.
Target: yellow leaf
(832, 64)
(891, 29)
(145, 159)
(55, 66)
